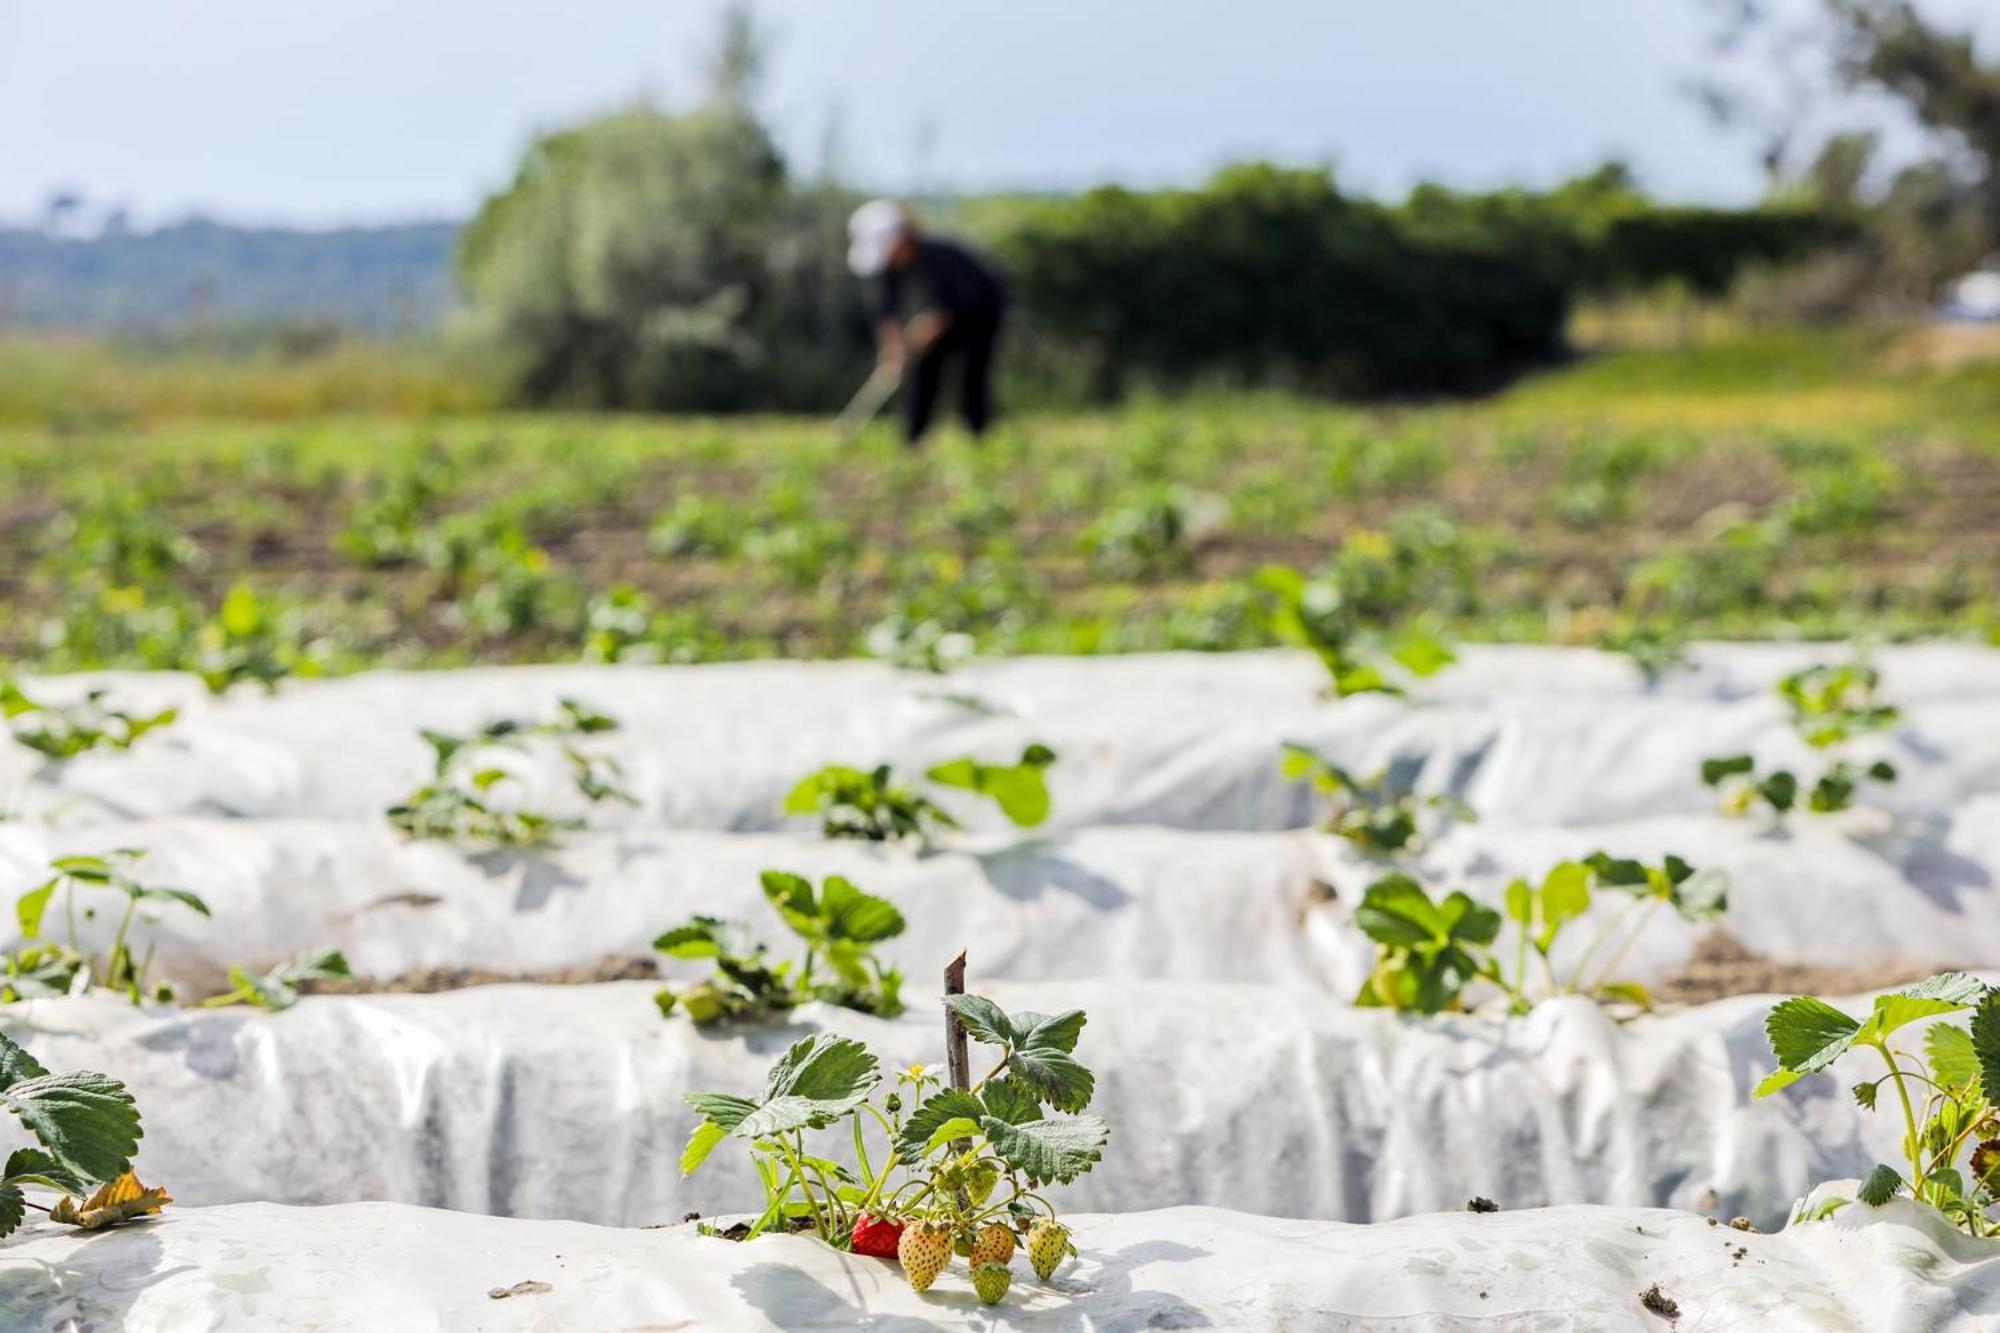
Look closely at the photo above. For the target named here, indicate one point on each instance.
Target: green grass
(1790, 485)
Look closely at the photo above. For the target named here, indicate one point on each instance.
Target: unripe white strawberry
(924, 1250)
(991, 1281)
(1048, 1242)
(993, 1245)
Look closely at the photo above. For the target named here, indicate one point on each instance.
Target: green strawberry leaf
(1038, 1047)
(1986, 1044)
(1808, 1034)
(699, 938)
(719, 1108)
(1881, 1186)
(13, 1207)
(1021, 789)
(707, 1134)
(1781, 790)
(1777, 1080)
(983, 1020)
(1041, 1061)
(86, 1122)
(958, 1127)
(1040, 1030)
(1422, 654)
(16, 1064)
(914, 1143)
(1565, 893)
(1011, 1102)
(1957, 987)
(818, 1080)
(1296, 761)
(1894, 1012)
(181, 896)
(32, 1166)
(792, 895)
(837, 1071)
(31, 906)
(1053, 1150)
(1397, 912)
(856, 916)
(1953, 1061)
(1714, 771)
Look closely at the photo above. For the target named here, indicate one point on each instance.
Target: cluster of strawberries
(924, 1248)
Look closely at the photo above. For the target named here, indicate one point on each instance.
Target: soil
(1659, 1303)
(1723, 966)
(428, 980)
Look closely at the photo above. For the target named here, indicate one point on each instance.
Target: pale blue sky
(364, 110)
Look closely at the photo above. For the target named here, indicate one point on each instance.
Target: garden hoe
(867, 401)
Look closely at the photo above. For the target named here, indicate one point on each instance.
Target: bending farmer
(959, 302)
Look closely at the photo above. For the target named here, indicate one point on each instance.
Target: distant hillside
(381, 279)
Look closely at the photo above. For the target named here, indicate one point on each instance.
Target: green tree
(651, 259)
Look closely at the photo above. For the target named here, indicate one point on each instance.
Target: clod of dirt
(1661, 1304)
(1723, 965)
(1482, 1204)
(527, 1288)
(1741, 1224)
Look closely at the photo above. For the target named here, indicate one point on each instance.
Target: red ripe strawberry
(876, 1236)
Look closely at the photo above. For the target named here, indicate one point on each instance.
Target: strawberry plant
(1429, 951)
(1743, 785)
(866, 804)
(1020, 789)
(61, 732)
(1317, 614)
(698, 526)
(1951, 1124)
(248, 640)
(1151, 535)
(458, 803)
(1655, 648)
(279, 988)
(70, 967)
(961, 1168)
(1368, 812)
(1830, 705)
(872, 806)
(839, 926)
(385, 528)
(85, 1127)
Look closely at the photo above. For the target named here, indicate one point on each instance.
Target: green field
(1751, 487)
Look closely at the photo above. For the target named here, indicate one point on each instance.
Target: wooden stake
(955, 1056)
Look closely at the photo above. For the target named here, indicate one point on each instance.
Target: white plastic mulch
(389, 1266)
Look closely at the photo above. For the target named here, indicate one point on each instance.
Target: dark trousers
(967, 341)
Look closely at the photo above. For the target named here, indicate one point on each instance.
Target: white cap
(872, 233)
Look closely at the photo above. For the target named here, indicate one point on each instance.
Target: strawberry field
(1524, 864)
(1267, 984)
